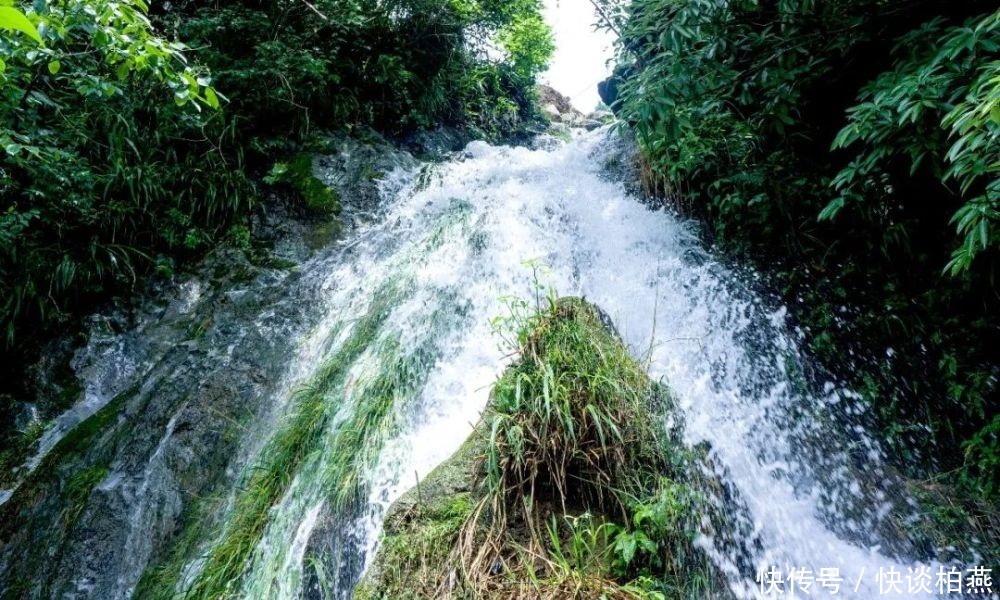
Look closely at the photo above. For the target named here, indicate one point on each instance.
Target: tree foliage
(851, 147)
(398, 66)
(944, 88)
(121, 154)
(109, 157)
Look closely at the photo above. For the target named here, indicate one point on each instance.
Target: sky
(579, 61)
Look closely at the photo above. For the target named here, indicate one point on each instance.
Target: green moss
(412, 556)
(322, 234)
(422, 528)
(318, 197)
(277, 464)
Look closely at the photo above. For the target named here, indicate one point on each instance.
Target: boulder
(573, 434)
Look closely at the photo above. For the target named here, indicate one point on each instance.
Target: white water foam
(729, 356)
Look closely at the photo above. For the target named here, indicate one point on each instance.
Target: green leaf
(11, 18)
(627, 548)
(181, 97)
(647, 545)
(54, 66)
(831, 209)
(211, 98)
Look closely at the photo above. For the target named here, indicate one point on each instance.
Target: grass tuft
(569, 486)
(572, 440)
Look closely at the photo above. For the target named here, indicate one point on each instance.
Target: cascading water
(460, 236)
(392, 346)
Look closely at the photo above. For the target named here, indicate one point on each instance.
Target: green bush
(851, 148)
(112, 154)
(120, 158)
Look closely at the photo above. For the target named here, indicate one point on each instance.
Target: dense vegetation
(134, 141)
(852, 148)
(569, 488)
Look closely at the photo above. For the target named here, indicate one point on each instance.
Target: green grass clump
(159, 580)
(17, 450)
(569, 486)
(573, 442)
(78, 488)
(356, 446)
(276, 466)
(573, 415)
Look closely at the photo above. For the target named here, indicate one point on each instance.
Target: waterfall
(463, 232)
(388, 332)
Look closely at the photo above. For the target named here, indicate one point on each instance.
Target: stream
(389, 329)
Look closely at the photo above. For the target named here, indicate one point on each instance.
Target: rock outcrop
(169, 390)
(569, 487)
(562, 115)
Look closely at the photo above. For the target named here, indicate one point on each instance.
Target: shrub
(842, 145)
(576, 502)
(113, 154)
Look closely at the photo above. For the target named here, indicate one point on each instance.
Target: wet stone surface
(169, 390)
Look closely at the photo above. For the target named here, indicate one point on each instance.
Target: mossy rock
(480, 526)
(422, 527)
(317, 196)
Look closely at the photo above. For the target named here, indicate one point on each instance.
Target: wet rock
(548, 141)
(558, 108)
(172, 384)
(437, 143)
(445, 537)
(549, 98)
(425, 522)
(160, 444)
(563, 116)
(358, 167)
(608, 89)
